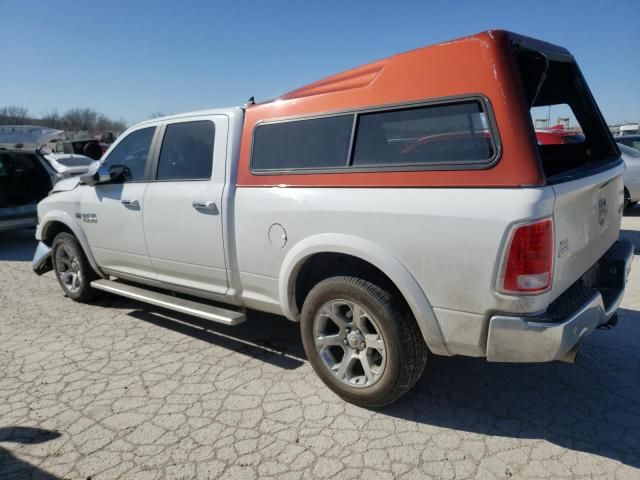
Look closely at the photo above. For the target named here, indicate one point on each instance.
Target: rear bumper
(573, 315)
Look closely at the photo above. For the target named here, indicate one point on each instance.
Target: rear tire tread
(412, 349)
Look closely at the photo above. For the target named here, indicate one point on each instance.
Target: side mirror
(118, 172)
(105, 174)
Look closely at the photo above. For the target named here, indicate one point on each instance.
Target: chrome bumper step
(177, 304)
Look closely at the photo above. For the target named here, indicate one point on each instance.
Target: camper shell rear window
(572, 137)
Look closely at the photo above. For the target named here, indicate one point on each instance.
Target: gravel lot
(118, 389)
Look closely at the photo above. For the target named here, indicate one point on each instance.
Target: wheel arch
(374, 255)
(56, 222)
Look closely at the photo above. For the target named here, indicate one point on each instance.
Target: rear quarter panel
(450, 240)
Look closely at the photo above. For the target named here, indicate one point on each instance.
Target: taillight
(528, 264)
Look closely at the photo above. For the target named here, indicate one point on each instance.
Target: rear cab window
(556, 91)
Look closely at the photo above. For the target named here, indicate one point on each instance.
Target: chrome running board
(190, 307)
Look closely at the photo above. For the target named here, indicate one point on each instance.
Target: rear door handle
(205, 205)
(130, 203)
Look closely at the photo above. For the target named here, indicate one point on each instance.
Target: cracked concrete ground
(117, 389)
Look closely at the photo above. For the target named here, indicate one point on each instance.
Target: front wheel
(361, 342)
(72, 268)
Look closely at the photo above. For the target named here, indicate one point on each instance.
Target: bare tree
(75, 120)
(14, 115)
(120, 125)
(80, 119)
(157, 115)
(105, 124)
(51, 119)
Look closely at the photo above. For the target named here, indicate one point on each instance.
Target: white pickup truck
(400, 208)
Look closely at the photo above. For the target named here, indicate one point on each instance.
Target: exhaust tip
(570, 356)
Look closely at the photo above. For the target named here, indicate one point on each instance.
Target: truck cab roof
(228, 111)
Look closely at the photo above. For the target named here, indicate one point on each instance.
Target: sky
(129, 59)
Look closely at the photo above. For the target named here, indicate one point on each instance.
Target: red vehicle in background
(558, 135)
(454, 144)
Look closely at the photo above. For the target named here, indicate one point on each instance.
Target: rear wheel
(72, 269)
(361, 342)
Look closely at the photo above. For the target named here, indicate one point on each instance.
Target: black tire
(67, 256)
(404, 347)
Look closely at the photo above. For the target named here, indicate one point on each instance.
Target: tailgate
(587, 216)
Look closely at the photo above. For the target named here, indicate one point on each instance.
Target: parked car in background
(631, 158)
(558, 137)
(399, 208)
(68, 164)
(632, 141)
(28, 173)
(88, 147)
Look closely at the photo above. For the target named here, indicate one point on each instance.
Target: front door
(111, 213)
(183, 205)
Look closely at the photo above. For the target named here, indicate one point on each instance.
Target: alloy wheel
(68, 269)
(350, 343)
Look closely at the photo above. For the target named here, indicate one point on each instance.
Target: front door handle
(130, 203)
(205, 206)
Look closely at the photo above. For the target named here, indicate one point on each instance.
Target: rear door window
(187, 151)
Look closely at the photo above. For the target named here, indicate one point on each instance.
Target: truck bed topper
(485, 71)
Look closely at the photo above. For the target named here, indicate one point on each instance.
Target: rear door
(183, 204)
(111, 213)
